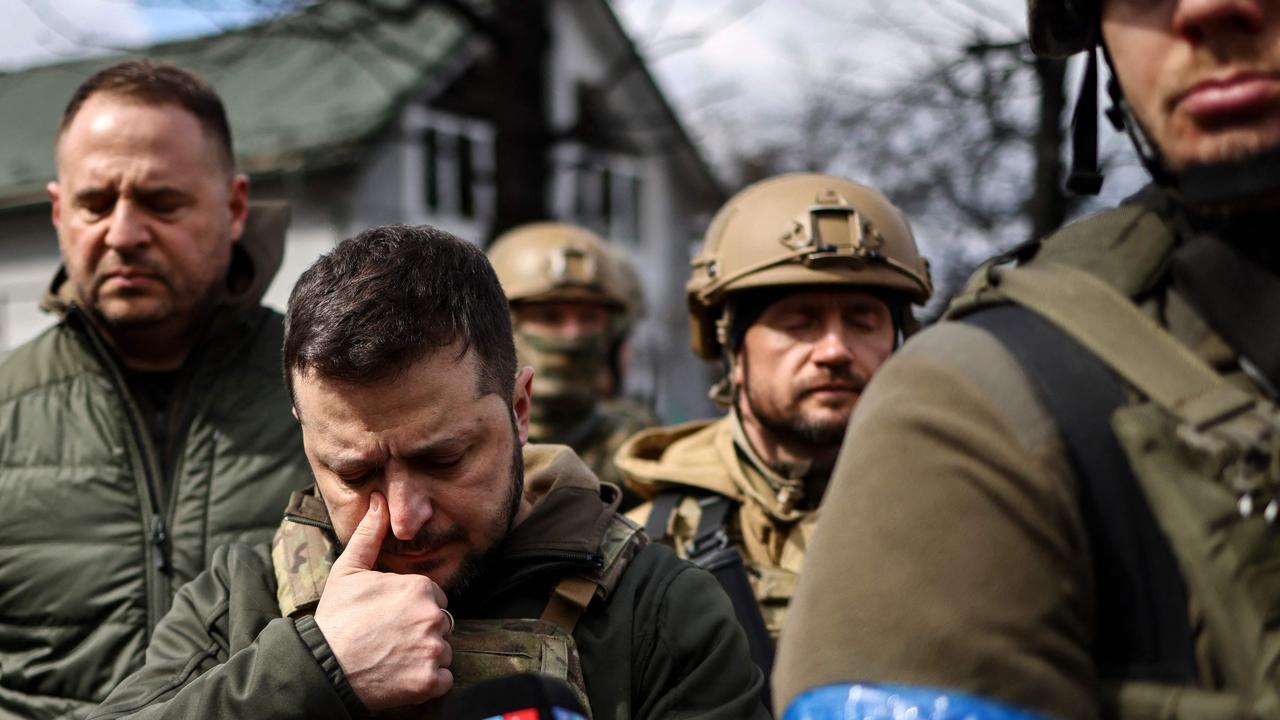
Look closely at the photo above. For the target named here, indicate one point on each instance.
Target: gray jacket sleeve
(224, 651)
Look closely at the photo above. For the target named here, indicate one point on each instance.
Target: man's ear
(521, 401)
(55, 200)
(737, 373)
(238, 205)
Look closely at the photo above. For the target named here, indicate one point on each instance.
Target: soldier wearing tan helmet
(1067, 497)
(569, 301)
(803, 288)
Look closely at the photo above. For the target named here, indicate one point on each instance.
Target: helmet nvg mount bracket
(550, 261)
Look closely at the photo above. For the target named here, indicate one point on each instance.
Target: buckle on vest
(1243, 446)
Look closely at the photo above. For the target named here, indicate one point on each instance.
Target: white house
(380, 123)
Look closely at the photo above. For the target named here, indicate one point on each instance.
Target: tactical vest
(303, 551)
(698, 526)
(1201, 455)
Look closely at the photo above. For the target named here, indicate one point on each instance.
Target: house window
(598, 190)
(457, 167)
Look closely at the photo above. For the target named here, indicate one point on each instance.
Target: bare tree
(964, 128)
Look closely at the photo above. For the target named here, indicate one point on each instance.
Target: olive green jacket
(953, 551)
(91, 551)
(664, 643)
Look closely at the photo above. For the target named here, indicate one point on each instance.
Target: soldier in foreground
(802, 290)
(569, 307)
(400, 359)
(150, 424)
(1066, 499)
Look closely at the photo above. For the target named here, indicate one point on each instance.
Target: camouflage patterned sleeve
(224, 651)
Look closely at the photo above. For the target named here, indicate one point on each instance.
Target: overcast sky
(710, 55)
(735, 69)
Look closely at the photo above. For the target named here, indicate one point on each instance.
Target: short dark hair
(159, 83)
(394, 295)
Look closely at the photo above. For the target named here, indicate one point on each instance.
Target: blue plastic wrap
(895, 702)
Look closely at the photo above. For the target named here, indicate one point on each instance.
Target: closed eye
(356, 478)
(437, 464)
(96, 202)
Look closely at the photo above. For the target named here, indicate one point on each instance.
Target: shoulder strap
(1142, 630)
(1108, 323)
(657, 527)
(1213, 415)
(569, 599)
(572, 594)
(711, 550)
(713, 525)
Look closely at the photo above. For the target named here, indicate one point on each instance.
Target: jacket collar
(707, 455)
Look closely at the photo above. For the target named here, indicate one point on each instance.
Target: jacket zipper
(153, 520)
(541, 561)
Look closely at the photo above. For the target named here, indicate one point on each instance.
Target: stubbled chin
(1195, 146)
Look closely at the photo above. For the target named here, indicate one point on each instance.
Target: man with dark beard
(802, 289)
(399, 354)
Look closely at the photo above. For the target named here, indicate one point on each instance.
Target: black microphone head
(526, 696)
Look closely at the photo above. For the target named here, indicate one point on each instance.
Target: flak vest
(1201, 455)
(304, 550)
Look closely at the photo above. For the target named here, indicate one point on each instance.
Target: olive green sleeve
(949, 552)
(202, 663)
(699, 665)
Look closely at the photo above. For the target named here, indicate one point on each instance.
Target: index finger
(361, 552)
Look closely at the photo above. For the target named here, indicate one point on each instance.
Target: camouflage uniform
(553, 262)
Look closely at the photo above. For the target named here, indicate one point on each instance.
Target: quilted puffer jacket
(97, 532)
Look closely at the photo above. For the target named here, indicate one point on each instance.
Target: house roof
(300, 91)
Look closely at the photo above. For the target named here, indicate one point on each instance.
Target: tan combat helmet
(550, 261)
(1060, 28)
(802, 229)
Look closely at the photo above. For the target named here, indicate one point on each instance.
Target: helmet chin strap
(1202, 184)
(1085, 177)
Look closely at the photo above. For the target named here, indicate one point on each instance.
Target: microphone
(526, 696)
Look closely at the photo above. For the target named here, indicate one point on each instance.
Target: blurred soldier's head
(1198, 86)
(147, 203)
(803, 288)
(567, 300)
